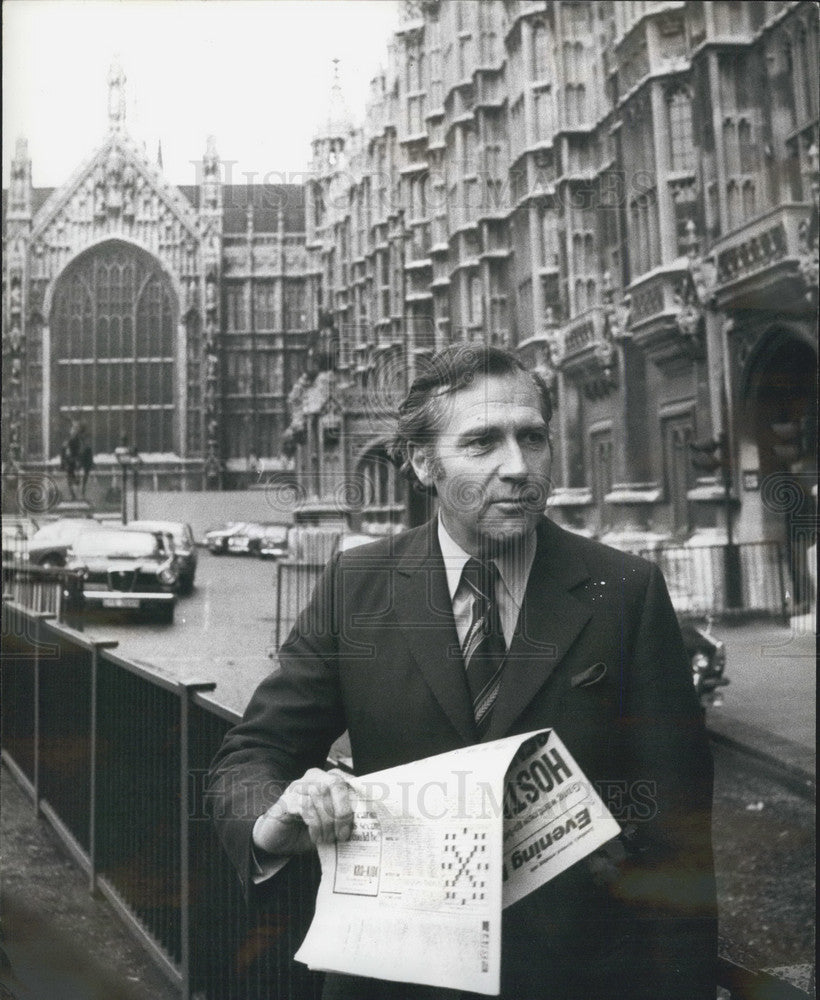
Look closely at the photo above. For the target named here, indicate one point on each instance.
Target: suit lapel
(550, 621)
(424, 611)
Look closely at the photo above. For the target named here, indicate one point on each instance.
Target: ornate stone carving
(647, 301)
(617, 313)
(809, 255)
(116, 97)
(20, 182)
(695, 293)
(210, 176)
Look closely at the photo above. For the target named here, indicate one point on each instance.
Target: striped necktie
(484, 647)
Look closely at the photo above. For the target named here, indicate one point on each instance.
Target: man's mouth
(512, 506)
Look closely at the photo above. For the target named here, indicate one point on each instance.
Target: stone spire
(20, 189)
(338, 118)
(116, 97)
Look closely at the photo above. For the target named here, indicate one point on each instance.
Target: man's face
(490, 462)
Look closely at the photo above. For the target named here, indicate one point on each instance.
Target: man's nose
(512, 464)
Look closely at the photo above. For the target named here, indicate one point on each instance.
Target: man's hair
(454, 368)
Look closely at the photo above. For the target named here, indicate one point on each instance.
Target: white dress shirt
(514, 567)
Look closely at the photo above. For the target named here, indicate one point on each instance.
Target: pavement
(767, 711)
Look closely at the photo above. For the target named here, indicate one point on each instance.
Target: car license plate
(120, 602)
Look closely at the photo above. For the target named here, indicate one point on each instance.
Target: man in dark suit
(581, 638)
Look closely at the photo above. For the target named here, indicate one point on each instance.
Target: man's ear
(421, 460)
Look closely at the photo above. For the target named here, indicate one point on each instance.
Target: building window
(476, 303)
(681, 144)
(295, 292)
(549, 237)
(264, 306)
(235, 308)
(113, 327)
(540, 52)
(544, 124)
(643, 213)
(678, 475)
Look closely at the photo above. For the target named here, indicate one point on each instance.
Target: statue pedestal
(73, 508)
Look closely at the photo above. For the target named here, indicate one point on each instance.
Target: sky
(256, 74)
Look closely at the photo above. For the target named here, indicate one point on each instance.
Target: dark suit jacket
(598, 657)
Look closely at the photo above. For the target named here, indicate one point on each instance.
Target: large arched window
(112, 323)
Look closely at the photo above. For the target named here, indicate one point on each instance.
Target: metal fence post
(37, 618)
(92, 753)
(187, 688)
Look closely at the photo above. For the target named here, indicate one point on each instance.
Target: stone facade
(625, 194)
(171, 319)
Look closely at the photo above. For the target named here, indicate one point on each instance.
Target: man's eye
(535, 439)
(481, 441)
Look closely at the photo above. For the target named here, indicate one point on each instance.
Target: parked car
(184, 549)
(17, 533)
(273, 542)
(353, 540)
(126, 570)
(217, 538)
(707, 659)
(48, 545)
(241, 539)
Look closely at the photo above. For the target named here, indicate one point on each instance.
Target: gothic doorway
(113, 319)
(780, 414)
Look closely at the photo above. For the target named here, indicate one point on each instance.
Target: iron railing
(115, 757)
(696, 578)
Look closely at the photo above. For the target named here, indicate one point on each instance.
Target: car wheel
(186, 585)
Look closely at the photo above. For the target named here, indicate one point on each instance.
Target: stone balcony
(654, 296)
(759, 256)
(583, 333)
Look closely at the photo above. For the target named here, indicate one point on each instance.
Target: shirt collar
(513, 565)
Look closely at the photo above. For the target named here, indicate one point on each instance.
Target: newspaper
(439, 847)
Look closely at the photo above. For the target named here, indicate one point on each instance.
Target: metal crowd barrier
(294, 585)
(115, 757)
(695, 576)
(47, 589)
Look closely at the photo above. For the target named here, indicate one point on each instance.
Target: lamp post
(127, 458)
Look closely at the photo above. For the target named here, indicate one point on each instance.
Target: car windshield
(116, 544)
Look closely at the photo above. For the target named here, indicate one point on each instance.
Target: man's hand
(316, 809)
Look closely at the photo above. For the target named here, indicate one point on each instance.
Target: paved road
(773, 678)
(222, 632)
(763, 834)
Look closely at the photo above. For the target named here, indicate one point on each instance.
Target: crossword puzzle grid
(464, 866)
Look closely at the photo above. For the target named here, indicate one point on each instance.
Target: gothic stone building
(623, 193)
(171, 319)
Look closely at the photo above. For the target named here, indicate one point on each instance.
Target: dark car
(707, 659)
(184, 549)
(48, 546)
(126, 570)
(217, 538)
